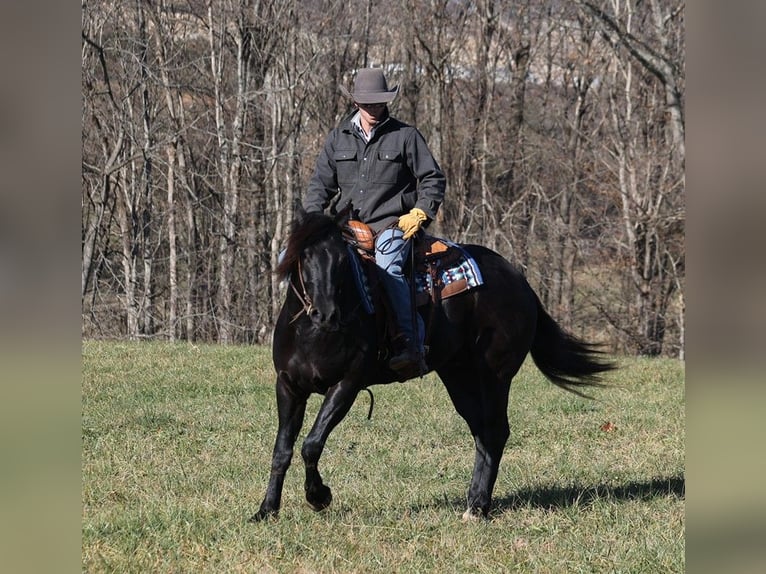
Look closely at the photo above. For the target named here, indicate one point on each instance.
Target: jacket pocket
(345, 165)
(389, 166)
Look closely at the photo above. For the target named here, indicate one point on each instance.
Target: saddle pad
(450, 271)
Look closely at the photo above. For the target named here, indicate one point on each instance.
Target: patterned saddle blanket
(442, 270)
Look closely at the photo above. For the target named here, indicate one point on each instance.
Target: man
(384, 167)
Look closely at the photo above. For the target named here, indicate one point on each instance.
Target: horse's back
(496, 319)
(503, 279)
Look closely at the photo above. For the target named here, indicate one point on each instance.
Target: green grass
(176, 448)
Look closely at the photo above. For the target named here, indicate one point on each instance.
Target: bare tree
(660, 60)
(228, 30)
(577, 77)
(651, 182)
(164, 38)
(436, 32)
(123, 118)
(98, 178)
(560, 127)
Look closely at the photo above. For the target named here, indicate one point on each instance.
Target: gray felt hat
(370, 87)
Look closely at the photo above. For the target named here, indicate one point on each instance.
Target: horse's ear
(300, 215)
(342, 217)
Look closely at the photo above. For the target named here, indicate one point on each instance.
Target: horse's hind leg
(483, 404)
(291, 410)
(336, 405)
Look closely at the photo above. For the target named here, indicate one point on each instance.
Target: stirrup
(408, 364)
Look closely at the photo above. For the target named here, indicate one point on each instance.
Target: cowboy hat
(370, 87)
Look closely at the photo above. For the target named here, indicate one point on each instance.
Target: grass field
(176, 448)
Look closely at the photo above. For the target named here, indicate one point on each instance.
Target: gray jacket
(384, 178)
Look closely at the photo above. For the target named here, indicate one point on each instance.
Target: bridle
(303, 296)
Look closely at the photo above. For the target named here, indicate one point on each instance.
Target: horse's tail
(564, 359)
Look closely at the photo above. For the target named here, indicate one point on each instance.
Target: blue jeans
(390, 256)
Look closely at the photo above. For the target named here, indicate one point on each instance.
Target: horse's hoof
(262, 515)
(473, 515)
(320, 498)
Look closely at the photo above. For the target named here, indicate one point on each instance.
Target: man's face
(371, 113)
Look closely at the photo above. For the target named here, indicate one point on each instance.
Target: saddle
(443, 269)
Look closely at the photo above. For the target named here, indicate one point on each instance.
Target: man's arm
(324, 182)
(432, 182)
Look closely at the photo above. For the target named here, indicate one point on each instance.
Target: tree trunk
(126, 220)
(147, 184)
(229, 165)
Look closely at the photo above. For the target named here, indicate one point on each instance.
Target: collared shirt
(356, 121)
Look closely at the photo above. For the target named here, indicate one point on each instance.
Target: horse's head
(317, 263)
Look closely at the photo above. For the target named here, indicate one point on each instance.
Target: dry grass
(177, 442)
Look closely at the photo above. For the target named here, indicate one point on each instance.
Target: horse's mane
(306, 230)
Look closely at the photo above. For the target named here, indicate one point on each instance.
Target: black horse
(325, 343)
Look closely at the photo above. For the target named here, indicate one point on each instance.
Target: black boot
(407, 362)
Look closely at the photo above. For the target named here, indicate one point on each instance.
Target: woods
(559, 125)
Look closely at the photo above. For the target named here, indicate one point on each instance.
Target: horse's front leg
(336, 405)
(291, 408)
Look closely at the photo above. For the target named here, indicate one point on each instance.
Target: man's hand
(411, 222)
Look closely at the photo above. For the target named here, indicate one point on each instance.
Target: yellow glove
(411, 222)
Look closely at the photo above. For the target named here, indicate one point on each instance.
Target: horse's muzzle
(325, 320)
